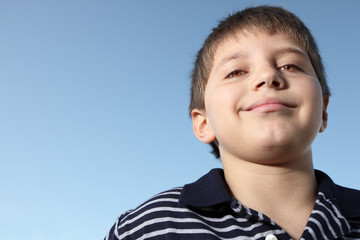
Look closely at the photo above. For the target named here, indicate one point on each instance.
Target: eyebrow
(294, 50)
(231, 57)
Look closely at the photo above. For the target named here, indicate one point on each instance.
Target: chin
(270, 142)
(281, 151)
(274, 150)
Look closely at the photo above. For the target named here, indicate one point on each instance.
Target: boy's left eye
(290, 68)
(236, 73)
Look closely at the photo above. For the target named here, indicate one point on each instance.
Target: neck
(275, 190)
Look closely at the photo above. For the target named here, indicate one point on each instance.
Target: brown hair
(268, 19)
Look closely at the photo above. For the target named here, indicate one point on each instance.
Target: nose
(268, 77)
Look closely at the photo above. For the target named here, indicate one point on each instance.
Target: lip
(269, 105)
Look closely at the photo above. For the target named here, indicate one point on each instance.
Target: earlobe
(201, 126)
(324, 114)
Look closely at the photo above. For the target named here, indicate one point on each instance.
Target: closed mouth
(269, 105)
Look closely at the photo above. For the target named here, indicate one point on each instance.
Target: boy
(259, 97)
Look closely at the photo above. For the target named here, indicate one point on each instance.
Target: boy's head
(263, 19)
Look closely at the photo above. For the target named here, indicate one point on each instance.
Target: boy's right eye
(236, 73)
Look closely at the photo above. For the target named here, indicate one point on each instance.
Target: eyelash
(236, 73)
(292, 66)
(287, 67)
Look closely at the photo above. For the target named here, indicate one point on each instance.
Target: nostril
(271, 83)
(260, 84)
(276, 83)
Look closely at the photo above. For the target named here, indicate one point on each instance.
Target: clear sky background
(93, 105)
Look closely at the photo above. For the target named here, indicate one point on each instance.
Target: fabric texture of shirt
(205, 209)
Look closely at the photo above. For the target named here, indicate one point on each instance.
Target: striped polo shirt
(205, 209)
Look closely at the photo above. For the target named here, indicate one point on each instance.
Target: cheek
(317, 95)
(314, 103)
(221, 104)
(230, 95)
(220, 99)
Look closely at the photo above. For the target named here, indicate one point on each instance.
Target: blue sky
(93, 101)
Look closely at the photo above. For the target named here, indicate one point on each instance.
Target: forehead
(245, 42)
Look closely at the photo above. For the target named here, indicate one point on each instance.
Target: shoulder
(189, 212)
(346, 198)
(150, 217)
(349, 201)
(348, 193)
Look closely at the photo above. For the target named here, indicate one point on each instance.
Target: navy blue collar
(212, 190)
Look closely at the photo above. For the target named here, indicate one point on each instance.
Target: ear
(324, 114)
(201, 126)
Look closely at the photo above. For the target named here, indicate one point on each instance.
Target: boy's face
(263, 100)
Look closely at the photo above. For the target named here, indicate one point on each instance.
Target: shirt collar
(212, 189)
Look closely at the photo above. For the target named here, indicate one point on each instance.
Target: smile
(269, 105)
